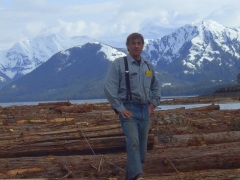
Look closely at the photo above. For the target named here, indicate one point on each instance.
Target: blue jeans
(136, 131)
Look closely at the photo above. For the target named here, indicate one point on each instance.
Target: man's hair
(134, 36)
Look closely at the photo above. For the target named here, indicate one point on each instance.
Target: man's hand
(126, 114)
(151, 108)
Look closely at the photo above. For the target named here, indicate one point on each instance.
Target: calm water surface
(233, 105)
(189, 106)
(36, 102)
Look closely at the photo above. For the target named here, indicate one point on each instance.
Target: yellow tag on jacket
(148, 73)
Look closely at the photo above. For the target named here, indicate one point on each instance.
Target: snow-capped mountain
(196, 52)
(75, 73)
(200, 55)
(27, 55)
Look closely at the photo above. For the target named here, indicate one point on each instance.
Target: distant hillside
(77, 73)
(227, 91)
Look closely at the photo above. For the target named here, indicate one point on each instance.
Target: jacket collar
(131, 60)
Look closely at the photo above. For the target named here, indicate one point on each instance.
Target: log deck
(63, 140)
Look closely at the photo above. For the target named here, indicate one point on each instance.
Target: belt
(137, 103)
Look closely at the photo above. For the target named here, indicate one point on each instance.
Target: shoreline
(164, 101)
(201, 100)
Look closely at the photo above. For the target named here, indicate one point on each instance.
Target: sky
(24, 19)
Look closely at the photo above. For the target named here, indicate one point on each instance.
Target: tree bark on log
(74, 108)
(65, 141)
(205, 108)
(173, 160)
(185, 140)
(215, 156)
(209, 174)
(190, 122)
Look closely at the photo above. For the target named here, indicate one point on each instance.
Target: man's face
(135, 48)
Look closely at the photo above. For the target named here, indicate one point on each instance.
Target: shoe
(139, 177)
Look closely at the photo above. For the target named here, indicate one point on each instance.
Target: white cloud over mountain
(96, 18)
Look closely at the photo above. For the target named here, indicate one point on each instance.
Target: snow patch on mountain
(110, 52)
(206, 41)
(208, 32)
(27, 55)
(64, 61)
(2, 79)
(189, 64)
(166, 84)
(66, 52)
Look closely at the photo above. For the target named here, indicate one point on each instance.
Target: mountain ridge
(81, 67)
(193, 59)
(194, 48)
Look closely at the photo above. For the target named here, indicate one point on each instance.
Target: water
(226, 106)
(223, 106)
(36, 102)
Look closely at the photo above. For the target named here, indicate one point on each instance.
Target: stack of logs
(64, 140)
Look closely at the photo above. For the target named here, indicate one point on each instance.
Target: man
(133, 105)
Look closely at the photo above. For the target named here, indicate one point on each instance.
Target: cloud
(27, 18)
(70, 29)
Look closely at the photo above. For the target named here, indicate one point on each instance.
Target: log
(211, 174)
(62, 131)
(190, 122)
(74, 108)
(64, 142)
(205, 108)
(214, 156)
(60, 103)
(63, 147)
(185, 140)
(173, 160)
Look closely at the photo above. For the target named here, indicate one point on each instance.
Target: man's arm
(111, 87)
(155, 91)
